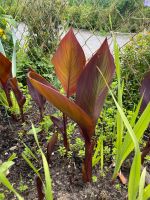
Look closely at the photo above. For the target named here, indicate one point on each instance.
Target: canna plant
(84, 80)
(9, 83)
(145, 92)
(36, 96)
(8, 80)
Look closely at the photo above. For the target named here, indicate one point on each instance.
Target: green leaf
(30, 152)
(5, 166)
(10, 20)
(142, 184)
(2, 48)
(48, 184)
(146, 194)
(96, 157)
(120, 91)
(38, 130)
(12, 157)
(128, 144)
(35, 136)
(31, 165)
(124, 118)
(127, 125)
(14, 66)
(134, 177)
(135, 114)
(7, 184)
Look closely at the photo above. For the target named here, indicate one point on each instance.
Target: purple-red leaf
(69, 61)
(91, 88)
(63, 103)
(39, 186)
(5, 69)
(58, 123)
(145, 91)
(5, 74)
(51, 145)
(36, 96)
(18, 94)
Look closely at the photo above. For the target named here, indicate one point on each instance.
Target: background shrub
(126, 15)
(42, 18)
(135, 62)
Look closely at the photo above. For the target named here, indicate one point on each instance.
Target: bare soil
(65, 172)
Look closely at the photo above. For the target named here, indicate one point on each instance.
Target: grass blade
(135, 114)
(142, 184)
(134, 177)
(30, 164)
(128, 144)
(7, 184)
(48, 184)
(120, 91)
(146, 193)
(30, 152)
(5, 166)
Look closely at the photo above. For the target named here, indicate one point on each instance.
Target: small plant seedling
(94, 179)
(81, 153)
(2, 196)
(46, 123)
(118, 186)
(69, 154)
(62, 151)
(22, 187)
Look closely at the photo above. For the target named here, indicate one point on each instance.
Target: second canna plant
(9, 83)
(84, 80)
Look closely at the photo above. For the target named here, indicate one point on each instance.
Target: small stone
(104, 195)
(13, 148)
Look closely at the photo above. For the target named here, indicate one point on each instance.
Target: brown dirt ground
(66, 173)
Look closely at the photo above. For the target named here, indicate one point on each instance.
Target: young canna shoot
(84, 80)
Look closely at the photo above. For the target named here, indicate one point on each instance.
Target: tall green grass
(47, 184)
(132, 136)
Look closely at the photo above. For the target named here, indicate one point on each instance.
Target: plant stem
(22, 115)
(102, 154)
(66, 143)
(65, 138)
(87, 165)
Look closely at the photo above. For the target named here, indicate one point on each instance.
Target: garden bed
(65, 172)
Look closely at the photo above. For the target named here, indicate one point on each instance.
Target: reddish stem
(22, 115)
(87, 164)
(66, 143)
(65, 138)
